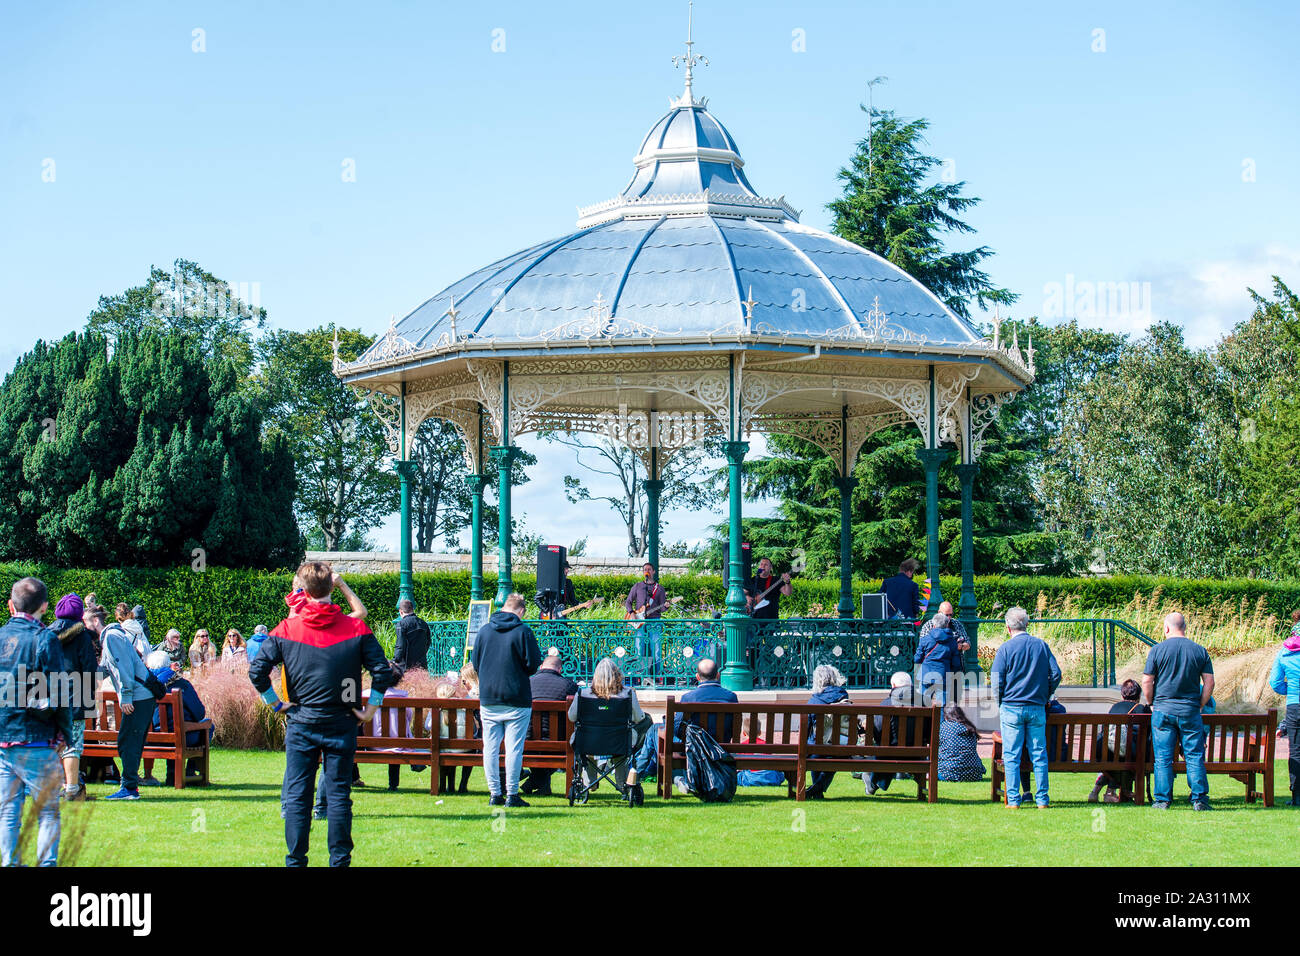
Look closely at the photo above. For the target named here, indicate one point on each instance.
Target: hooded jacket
(830, 726)
(1285, 676)
(505, 655)
(31, 663)
(79, 658)
(192, 708)
(322, 650)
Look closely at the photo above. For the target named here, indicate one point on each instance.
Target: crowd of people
(310, 667)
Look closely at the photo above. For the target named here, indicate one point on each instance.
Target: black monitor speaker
(873, 607)
(747, 557)
(550, 569)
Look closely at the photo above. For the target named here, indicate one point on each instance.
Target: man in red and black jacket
(322, 650)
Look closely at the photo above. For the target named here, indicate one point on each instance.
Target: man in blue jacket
(32, 714)
(1285, 679)
(902, 593)
(1024, 677)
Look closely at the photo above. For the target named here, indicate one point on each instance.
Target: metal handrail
(1108, 626)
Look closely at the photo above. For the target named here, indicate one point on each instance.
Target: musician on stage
(646, 601)
(647, 597)
(764, 587)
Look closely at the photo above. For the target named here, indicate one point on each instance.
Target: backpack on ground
(710, 770)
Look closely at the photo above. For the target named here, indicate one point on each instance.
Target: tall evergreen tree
(139, 458)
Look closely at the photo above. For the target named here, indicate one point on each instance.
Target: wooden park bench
(547, 746)
(788, 749)
(167, 743)
(396, 735)
(1241, 746)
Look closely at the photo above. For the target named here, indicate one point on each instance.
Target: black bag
(710, 770)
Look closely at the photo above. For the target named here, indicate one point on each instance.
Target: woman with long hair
(235, 648)
(607, 684)
(959, 759)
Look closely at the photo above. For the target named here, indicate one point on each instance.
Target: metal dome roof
(688, 248)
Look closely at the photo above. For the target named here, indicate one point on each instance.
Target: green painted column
(504, 456)
(476, 485)
(653, 486)
(846, 484)
(932, 459)
(968, 606)
(736, 674)
(406, 473)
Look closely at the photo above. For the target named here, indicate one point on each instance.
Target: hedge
(219, 598)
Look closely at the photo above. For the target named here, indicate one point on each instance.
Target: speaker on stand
(550, 577)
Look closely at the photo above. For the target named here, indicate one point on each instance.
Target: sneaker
(77, 795)
(1042, 806)
(1095, 795)
(870, 787)
(679, 784)
(1012, 806)
(124, 794)
(635, 795)
(517, 801)
(1201, 806)
(1111, 797)
(496, 800)
(1159, 805)
(150, 782)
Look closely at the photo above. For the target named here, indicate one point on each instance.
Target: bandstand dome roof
(688, 248)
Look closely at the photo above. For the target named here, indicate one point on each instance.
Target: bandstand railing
(782, 653)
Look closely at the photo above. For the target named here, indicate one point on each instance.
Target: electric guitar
(597, 601)
(761, 601)
(637, 617)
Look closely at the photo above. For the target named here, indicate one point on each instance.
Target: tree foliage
(140, 456)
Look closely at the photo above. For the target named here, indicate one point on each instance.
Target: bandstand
(690, 307)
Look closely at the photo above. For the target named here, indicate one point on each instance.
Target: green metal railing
(782, 653)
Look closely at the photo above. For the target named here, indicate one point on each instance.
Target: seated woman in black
(959, 759)
(1115, 742)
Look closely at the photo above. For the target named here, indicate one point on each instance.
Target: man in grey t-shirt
(1177, 683)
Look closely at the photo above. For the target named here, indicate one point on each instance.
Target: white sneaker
(679, 784)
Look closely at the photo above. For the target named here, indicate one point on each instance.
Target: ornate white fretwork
(825, 430)
(984, 408)
(761, 387)
(387, 407)
(491, 376)
(599, 324)
(950, 383)
(864, 424)
(388, 348)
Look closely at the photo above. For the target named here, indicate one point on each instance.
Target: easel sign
(479, 612)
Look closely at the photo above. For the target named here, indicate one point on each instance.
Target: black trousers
(306, 746)
(1293, 743)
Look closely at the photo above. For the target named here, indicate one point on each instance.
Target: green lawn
(236, 822)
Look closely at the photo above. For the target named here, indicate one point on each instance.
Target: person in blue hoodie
(828, 687)
(191, 704)
(1024, 677)
(938, 654)
(1285, 679)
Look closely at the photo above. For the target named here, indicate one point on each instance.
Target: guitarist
(646, 601)
(766, 586)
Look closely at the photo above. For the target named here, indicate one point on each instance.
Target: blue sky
(1161, 151)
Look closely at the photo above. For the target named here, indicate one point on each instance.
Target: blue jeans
(510, 723)
(1021, 723)
(306, 745)
(649, 637)
(1165, 729)
(130, 740)
(934, 683)
(34, 772)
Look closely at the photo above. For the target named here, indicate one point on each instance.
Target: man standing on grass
(1024, 677)
(1178, 682)
(31, 663)
(505, 656)
(322, 651)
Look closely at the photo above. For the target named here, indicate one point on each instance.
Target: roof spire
(689, 60)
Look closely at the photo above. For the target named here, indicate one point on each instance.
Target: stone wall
(370, 562)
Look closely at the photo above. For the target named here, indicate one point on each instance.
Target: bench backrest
(548, 730)
(822, 730)
(102, 728)
(399, 723)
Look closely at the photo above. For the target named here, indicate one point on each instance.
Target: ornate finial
(749, 308)
(1015, 341)
(1031, 353)
(451, 314)
(336, 362)
(599, 311)
(690, 59)
(997, 327)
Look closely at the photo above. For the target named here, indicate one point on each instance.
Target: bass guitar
(637, 617)
(566, 611)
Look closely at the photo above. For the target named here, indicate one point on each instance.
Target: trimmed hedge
(219, 598)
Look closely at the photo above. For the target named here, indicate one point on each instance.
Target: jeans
(512, 724)
(649, 637)
(934, 684)
(1021, 723)
(130, 741)
(1165, 730)
(34, 772)
(305, 746)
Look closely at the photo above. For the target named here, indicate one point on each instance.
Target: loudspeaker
(746, 556)
(550, 569)
(873, 607)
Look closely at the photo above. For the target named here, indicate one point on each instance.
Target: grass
(236, 822)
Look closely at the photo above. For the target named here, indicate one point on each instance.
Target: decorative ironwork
(760, 388)
(782, 653)
(984, 409)
(388, 409)
(877, 327)
(390, 347)
(950, 386)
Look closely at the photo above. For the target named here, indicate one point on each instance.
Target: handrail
(1108, 627)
